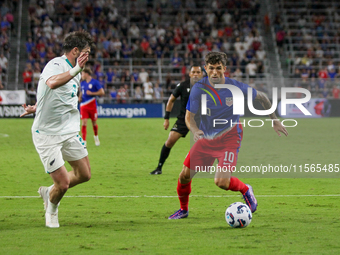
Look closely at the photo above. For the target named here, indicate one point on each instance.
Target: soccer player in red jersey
(89, 89)
(212, 141)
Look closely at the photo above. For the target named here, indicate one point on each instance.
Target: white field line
(145, 196)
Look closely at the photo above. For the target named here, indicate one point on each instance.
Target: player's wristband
(75, 70)
(167, 115)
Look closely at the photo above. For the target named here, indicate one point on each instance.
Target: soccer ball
(238, 215)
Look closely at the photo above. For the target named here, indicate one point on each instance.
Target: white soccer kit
(57, 123)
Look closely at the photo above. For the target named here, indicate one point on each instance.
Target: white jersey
(57, 112)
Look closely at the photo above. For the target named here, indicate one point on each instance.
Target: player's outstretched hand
(278, 127)
(198, 135)
(28, 109)
(82, 59)
(166, 124)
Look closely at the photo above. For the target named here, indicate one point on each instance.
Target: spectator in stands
(260, 54)
(29, 45)
(251, 69)
(113, 94)
(36, 73)
(260, 70)
(27, 76)
(335, 92)
(158, 92)
(110, 75)
(138, 94)
(237, 75)
(148, 90)
(3, 62)
(323, 74)
(5, 25)
(134, 31)
(143, 76)
(325, 93)
(99, 73)
(122, 95)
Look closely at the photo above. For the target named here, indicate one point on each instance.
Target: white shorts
(54, 149)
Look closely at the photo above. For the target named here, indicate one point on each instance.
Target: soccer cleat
(52, 220)
(96, 140)
(180, 214)
(45, 195)
(250, 199)
(156, 171)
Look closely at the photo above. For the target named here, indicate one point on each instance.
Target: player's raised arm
(59, 80)
(278, 127)
(191, 124)
(168, 110)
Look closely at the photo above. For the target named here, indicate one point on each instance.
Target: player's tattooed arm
(277, 125)
(191, 124)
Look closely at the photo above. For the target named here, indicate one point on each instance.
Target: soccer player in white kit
(57, 123)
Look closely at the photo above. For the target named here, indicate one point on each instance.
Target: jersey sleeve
(177, 91)
(194, 100)
(98, 85)
(54, 67)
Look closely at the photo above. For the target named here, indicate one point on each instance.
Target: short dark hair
(79, 39)
(195, 65)
(88, 71)
(214, 58)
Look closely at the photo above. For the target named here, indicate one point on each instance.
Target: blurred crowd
(133, 39)
(307, 32)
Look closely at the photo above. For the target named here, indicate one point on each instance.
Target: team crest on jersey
(90, 86)
(229, 101)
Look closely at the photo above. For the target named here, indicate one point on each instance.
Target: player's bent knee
(63, 187)
(169, 144)
(222, 183)
(184, 176)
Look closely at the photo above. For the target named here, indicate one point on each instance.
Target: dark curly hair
(214, 58)
(79, 39)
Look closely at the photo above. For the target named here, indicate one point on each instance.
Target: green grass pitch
(124, 210)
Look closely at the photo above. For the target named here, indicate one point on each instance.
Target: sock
(237, 185)
(83, 132)
(183, 191)
(164, 155)
(52, 208)
(95, 129)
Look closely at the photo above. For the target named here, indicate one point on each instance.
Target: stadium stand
(311, 44)
(159, 39)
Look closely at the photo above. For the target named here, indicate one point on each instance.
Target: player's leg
(165, 151)
(83, 128)
(53, 194)
(94, 117)
(178, 130)
(183, 191)
(81, 171)
(227, 159)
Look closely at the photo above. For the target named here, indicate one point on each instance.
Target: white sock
(52, 208)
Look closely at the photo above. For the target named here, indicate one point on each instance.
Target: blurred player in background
(56, 125)
(89, 89)
(179, 129)
(212, 141)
